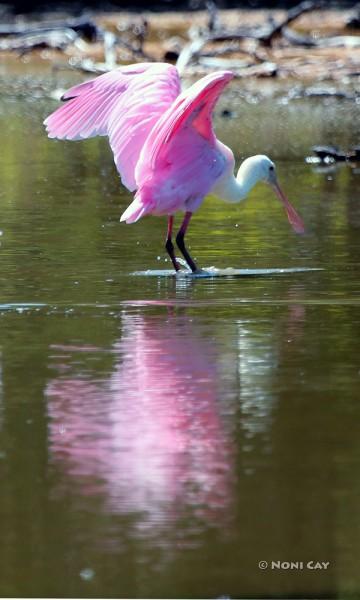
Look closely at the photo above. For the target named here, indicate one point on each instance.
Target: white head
(261, 168)
(258, 168)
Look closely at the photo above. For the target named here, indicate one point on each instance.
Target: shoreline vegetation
(306, 43)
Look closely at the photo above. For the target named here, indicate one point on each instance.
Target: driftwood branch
(335, 154)
(267, 32)
(306, 41)
(58, 40)
(292, 14)
(83, 27)
(213, 22)
(262, 35)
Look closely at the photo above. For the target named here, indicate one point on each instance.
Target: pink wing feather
(124, 104)
(180, 160)
(193, 108)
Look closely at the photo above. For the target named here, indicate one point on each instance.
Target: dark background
(158, 5)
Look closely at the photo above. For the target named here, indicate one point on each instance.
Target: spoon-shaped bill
(294, 219)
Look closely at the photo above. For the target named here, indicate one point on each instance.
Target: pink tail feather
(134, 212)
(142, 205)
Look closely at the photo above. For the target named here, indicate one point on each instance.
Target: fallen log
(270, 30)
(307, 41)
(335, 154)
(84, 27)
(57, 40)
(316, 92)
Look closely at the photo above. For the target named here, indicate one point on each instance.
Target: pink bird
(163, 142)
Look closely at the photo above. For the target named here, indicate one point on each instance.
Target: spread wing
(190, 112)
(124, 104)
(181, 159)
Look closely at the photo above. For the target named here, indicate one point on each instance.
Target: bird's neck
(234, 189)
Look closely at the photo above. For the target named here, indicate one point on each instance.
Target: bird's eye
(271, 168)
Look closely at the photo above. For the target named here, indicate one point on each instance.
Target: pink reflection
(150, 437)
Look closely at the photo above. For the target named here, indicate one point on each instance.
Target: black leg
(180, 240)
(169, 246)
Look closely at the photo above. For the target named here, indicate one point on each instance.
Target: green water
(161, 437)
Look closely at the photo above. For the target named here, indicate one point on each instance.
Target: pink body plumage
(163, 142)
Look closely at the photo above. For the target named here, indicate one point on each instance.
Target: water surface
(160, 437)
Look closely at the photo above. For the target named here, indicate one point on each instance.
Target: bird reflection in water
(149, 438)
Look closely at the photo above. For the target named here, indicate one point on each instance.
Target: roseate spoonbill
(163, 142)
